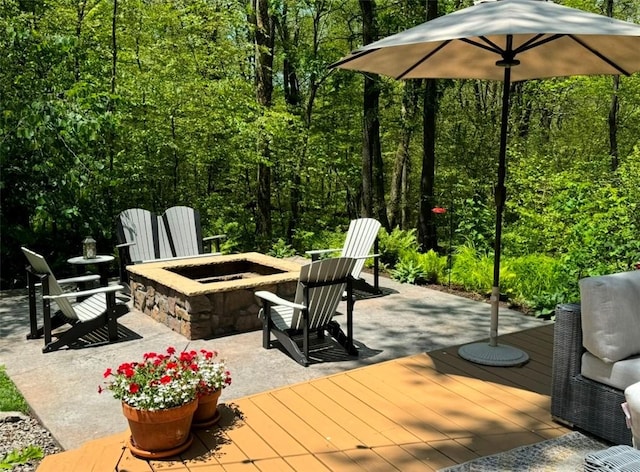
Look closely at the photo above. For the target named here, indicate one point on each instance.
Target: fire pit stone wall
(210, 309)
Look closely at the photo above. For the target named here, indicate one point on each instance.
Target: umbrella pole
(493, 354)
(500, 196)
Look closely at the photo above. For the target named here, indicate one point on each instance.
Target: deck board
(418, 413)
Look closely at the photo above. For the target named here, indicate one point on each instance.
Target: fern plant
(393, 245)
(472, 270)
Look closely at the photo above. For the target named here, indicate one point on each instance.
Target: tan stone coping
(158, 272)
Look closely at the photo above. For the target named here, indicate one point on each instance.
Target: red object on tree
(439, 210)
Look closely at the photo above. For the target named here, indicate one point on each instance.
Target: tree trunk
(264, 39)
(372, 166)
(407, 127)
(427, 236)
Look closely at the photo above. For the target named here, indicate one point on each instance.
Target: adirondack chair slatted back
(185, 234)
(138, 226)
(325, 282)
(163, 242)
(40, 266)
(359, 241)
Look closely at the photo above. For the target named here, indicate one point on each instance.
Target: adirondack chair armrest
(86, 293)
(79, 279)
(212, 238)
(72, 280)
(123, 245)
(316, 253)
(276, 300)
(368, 256)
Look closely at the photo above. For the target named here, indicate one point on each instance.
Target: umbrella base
(497, 356)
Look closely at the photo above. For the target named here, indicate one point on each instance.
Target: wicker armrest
(567, 354)
(568, 348)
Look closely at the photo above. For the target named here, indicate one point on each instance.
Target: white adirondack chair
(146, 237)
(361, 237)
(185, 232)
(320, 288)
(98, 310)
(142, 236)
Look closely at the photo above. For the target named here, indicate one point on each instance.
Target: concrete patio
(61, 387)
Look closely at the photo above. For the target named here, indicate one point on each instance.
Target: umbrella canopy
(508, 40)
(549, 40)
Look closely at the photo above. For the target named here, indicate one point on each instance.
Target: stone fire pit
(210, 296)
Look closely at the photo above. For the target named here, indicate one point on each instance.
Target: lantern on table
(89, 248)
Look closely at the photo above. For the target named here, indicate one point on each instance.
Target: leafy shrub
(538, 282)
(281, 249)
(433, 265)
(407, 271)
(472, 270)
(393, 245)
(426, 267)
(476, 225)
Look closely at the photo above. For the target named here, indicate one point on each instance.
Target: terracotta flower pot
(207, 412)
(159, 433)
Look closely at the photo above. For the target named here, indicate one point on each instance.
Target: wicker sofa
(597, 355)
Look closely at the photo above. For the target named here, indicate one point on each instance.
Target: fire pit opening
(210, 296)
(225, 271)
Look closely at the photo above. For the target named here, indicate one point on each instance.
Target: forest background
(229, 106)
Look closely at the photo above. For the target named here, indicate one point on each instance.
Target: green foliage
(281, 249)
(539, 282)
(326, 240)
(22, 456)
(407, 270)
(10, 397)
(12, 400)
(179, 123)
(472, 270)
(477, 224)
(393, 245)
(416, 267)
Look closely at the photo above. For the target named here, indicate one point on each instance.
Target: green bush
(473, 270)
(407, 271)
(416, 267)
(393, 245)
(281, 249)
(538, 282)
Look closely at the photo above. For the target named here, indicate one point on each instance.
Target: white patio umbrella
(508, 40)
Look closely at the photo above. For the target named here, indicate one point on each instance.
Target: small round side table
(100, 261)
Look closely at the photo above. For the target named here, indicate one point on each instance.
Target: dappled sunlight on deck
(421, 412)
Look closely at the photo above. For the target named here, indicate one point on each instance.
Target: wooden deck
(422, 412)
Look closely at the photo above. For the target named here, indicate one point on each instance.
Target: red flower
(439, 210)
(171, 350)
(133, 388)
(165, 379)
(149, 355)
(100, 389)
(107, 373)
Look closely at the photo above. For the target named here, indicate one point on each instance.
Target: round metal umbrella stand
(504, 40)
